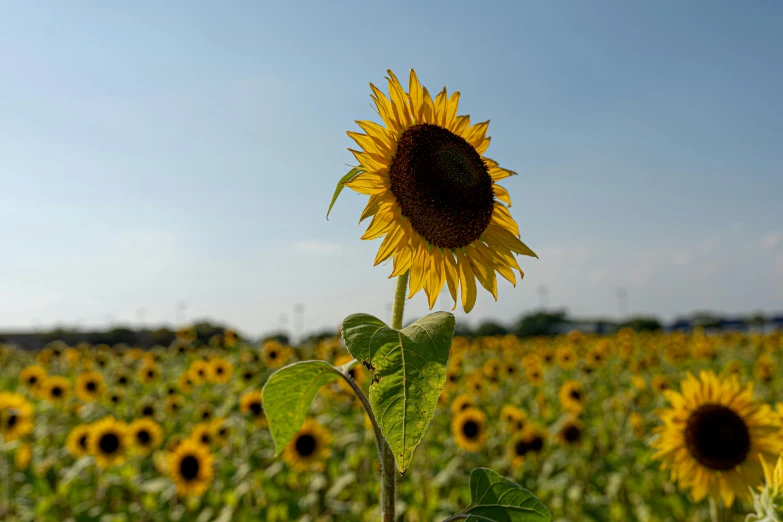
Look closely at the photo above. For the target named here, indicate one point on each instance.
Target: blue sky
(157, 152)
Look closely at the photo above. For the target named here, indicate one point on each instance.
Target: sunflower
(187, 380)
(109, 442)
(358, 373)
(89, 386)
(146, 435)
(199, 369)
(205, 412)
(765, 368)
(221, 430)
(534, 375)
(469, 429)
(637, 424)
(252, 402)
(566, 357)
(148, 408)
(78, 440)
(190, 467)
(173, 404)
(122, 378)
(713, 436)
(149, 372)
(660, 383)
(461, 403)
(434, 196)
(16, 416)
(56, 389)
(248, 374)
(308, 448)
(203, 433)
(220, 371)
(33, 376)
(23, 456)
(275, 354)
(510, 369)
(514, 418)
(518, 450)
(572, 397)
(769, 502)
(571, 432)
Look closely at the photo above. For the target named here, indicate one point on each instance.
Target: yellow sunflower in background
(434, 195)
(187, 381)
(220, 371)
(566, 357)
(22, 456)
(56, 389)
(191, 467)
(89, 386)
(221, 430)
(275, 354)
(33, 376)
(308, 448)
(571, 432)
(534, 375)
(513, 418)
(199, 369)
(16, 416)
(148, 408)
(469, 429)
(252, 402)
(205, 412)
(461, 403)
(149, 372)
(78, 440)
(713, 436)
(203, 433)
(660, 383)
(572, 397)
(146, 435)
(109, 442)
(173, 404)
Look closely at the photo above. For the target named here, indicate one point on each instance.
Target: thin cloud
(771, 240)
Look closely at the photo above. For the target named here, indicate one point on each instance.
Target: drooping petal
(467, 281)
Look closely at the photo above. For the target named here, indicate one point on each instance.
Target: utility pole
(622, 302)
(298, 321)
(542, 297)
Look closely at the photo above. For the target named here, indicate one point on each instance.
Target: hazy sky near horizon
(158, 152)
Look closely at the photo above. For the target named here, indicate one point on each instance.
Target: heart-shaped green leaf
(288, 394)
(496, 499)
(409, 371)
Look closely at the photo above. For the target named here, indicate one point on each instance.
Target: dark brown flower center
(471, 429)
(537, 443)
(572, 433)
(109, 443)
(305, 445)
(32, 379)
(57, 392)
(91, 386)
(148, 411)
(442, 186)
(256, 408)
(11, 420)
(717, 437)
(123, 380)
(521, 448)
(576, 395)
(188, 467)
(83, 442)
(144, 437)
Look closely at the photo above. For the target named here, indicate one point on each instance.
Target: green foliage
(496, 499)
(288, 394)
(640, 324)
(490, 328)
(409, 371)
(540, 323)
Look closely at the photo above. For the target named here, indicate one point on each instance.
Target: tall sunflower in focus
(434, 196)
(713, 436)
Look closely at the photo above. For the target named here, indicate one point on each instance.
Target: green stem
(384, 453)
(399, 300)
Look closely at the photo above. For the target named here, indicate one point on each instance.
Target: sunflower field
(584, 422)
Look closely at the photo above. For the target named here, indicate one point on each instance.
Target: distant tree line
(538, 323)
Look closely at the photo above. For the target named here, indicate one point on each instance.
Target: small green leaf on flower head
(409, 371)
(341, 185)
(287, 396)
(496, 499)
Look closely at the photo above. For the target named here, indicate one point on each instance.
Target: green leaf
(287, 396)
(341, 185)
(409, 369)
(496, 499)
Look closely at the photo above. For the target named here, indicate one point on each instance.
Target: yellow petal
(379, 133)
(462, 125)
(452, 275)
(502, 194)
(416, 96)
(402, 261)
(507, 239)
(380, 224)
(369, 183)
(383, 105)
(467, 281)
(440, 107)
(399, 101)
(390, 245)
(482, 269)
(502, 216)
(497, 261)
(371, 146)
(428, 108)
(419, 267)
(370, 163)
(476, 133)
(436, 277)
(451, 111)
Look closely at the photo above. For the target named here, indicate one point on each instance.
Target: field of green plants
(99, 433)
